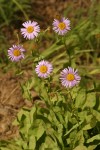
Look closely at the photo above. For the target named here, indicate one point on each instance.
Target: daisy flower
(43, 69)
(69, 77)
(61, 26)
(15, 53)
(30, 30)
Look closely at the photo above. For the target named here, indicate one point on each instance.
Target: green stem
(73, 108)
(17, 39)
(67, 51)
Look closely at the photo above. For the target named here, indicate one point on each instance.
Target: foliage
(59, 121)
(9, 12)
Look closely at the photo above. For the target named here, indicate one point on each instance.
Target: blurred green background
(84, 16)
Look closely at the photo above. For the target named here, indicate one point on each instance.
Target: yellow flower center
(43, 69)
(16, 52)
(30, 29)
(70, 77)
(62, 25)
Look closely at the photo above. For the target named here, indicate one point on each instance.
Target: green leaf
(72, 39)
(40, 131)
(54, 118)
(80, 147)
(74, 92)
(25, 129)
(90, 100)
(82, 115)
(96, 137)
(96, 114)
(26, 89)
(95, 71)
(74, 127)
(49, 144)
(4, 148)
(90, 122)
(80, 98)
(31, 114)
(32, 142)
(79, 138)
(92, 147)
(51, 50)
(44, 119)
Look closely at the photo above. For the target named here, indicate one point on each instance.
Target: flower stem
(68, 52)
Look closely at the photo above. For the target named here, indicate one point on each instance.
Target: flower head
(43, 69)
(69, 77)
(30, 30)
(15, 53)
(61, 26)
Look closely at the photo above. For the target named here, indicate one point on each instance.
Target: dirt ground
(11, 100)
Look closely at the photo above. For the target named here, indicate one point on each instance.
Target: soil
(11, 101)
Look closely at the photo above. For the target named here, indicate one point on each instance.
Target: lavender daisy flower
(61, 26)
(30, 30)
(69, 77)
(15, 53)
(43, 69)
